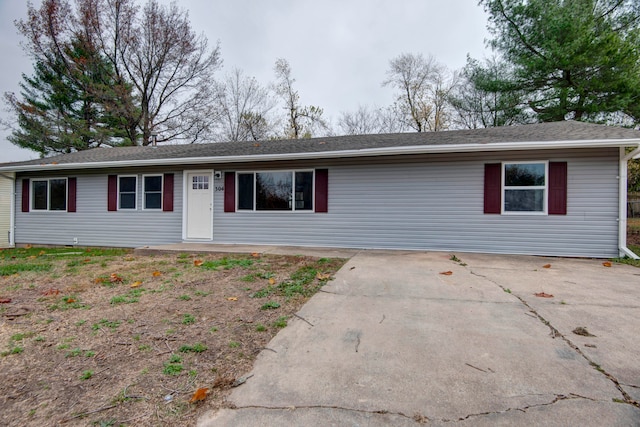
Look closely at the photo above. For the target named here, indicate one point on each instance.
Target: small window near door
(127, 186)
(200, 182)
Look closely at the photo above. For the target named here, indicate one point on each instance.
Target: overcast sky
(338, 50)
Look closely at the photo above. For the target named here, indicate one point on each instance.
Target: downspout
(12, 217)
(622, 221)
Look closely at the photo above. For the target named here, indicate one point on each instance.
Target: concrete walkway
(393, 341)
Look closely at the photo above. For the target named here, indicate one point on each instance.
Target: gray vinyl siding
(437, 204)
(429, 202)
(93, 225)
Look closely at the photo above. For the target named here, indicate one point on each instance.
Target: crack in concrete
(417, 417)
(556, 333)
(558, 398)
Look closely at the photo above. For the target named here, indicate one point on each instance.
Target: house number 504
(219, 188)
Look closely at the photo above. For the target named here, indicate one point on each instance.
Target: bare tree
(422, 85)
(154, 53)
(481, 98)
(301, 120)
(172, 70)
(367, 120)
(243, 107)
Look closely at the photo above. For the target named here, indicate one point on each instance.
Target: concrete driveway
(393, 341)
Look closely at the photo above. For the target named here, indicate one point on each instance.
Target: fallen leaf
(446, 273)
(543, 295)
(136, 284)
(232, 298)
(580, 330)
(33, 256)
(255, 254)
(70, 300)
(272, 281)
(99, 280)
(41, 253)
(256, 145)
(114, 278)
(51, 291)
(546, 266)
(157, 274)
(323, 276)
(200, 394)
(87, 260)
(197, 262)
(5, 300)
(28, 247)
(606, 264)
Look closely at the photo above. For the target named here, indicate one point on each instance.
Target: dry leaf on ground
(546, 266)
(606, 264)
(446, 273)
(200, 394)
(197, 262)
(543, 295)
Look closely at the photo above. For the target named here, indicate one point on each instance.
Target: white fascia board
(365, 152)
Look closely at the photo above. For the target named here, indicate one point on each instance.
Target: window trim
(144, 193)
(135, 208)
(32, 194)
(293, 186)
(545, 188)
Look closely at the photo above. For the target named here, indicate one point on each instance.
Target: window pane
(273, 190)
(58, 194)
(524, 200)
(245, 191)
(40, 195)
(152, 183)
(524, 174)
(127, 184)
(304, 190)
(127, 201)
(128, 192)
(153, 200)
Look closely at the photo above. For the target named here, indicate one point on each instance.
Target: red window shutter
(492, 188)
(322, 190)
(167, 193)
(112, 193)
(25, 195)
(72, 184)
(557, 188)
(229, 191)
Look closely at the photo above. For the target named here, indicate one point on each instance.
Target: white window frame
(48, 209)
(545, 188)
(144, 192)
(136, 193)
(293, 196)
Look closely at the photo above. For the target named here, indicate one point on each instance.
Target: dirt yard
(110, 338)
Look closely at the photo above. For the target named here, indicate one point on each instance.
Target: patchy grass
(88, 329)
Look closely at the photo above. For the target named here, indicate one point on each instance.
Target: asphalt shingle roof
(542, 132)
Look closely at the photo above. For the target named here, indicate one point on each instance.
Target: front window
(49, 194)
(127, 186)
(524, 187)
(275, 191)
(153, 192)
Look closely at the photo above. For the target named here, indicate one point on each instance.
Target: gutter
(622, 215)
(365, 152)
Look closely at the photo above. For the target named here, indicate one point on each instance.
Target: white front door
(199, 205)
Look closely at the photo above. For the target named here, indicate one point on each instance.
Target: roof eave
(366, 152)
